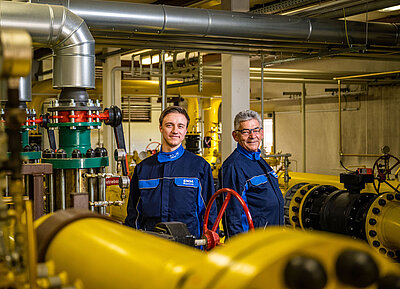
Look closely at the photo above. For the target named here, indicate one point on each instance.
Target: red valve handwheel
(381, 171)
(212, 235)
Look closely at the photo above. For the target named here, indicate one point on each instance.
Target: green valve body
(24, 137)
(70, 139)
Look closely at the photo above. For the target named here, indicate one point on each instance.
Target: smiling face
(250, 141)
(173, 130)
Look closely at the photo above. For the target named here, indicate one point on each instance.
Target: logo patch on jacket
(187, 182)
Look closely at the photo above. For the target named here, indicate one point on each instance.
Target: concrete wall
(143, 133)
(370, 121)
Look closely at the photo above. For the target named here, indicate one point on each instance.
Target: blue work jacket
(255, 181)
(171, 187)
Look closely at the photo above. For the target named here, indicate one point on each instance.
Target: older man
(174, 184)
(249, 175)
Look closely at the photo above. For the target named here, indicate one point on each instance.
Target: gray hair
(245, 115)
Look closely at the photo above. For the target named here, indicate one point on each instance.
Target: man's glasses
(246, 131)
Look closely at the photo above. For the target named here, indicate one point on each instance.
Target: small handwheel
(156, 148)
(212, 235)
(382, 169)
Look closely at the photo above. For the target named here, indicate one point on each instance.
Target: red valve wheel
(382, 169)
(153, 151)
(212, 235)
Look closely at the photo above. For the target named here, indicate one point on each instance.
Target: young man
(173, 185)
(251, 177)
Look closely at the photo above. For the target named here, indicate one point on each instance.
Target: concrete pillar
(107, 131)
(235, 84)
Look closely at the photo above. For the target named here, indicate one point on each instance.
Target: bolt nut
(390, 197)
(372, 233)
(376, 211)
(372, 222)
(382, 202)
(382, 250)
(376, 243)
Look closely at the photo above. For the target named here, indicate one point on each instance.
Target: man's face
(250, 141)
(173, 130)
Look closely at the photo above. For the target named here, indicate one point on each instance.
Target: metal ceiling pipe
(170, 20)
(334, 9)
(58, 28)
(25, 89)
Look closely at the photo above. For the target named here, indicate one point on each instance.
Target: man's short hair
(174, 109)
(245, 115)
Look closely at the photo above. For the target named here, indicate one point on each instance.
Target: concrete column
(235, 84)
(107, 132)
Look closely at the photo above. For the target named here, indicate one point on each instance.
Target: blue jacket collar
(254, 156)
(164, 157)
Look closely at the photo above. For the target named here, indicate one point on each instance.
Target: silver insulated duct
(147, 19)
(25, 88)
(58, 28)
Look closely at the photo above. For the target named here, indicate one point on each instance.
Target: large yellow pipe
(193, 112)
(296, 178)
(103, 254)
(383, 224)
(211, 107)
(391, 227)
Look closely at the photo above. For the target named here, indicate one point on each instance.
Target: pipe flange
(69, 108)
(49, 228)
(295, 205)
(288, 199)
(355, 219)
(373, 224)
(309, 214)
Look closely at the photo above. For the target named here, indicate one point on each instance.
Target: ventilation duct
(58, 28)
(148, 19)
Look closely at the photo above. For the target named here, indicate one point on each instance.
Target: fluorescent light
(390, 9)
(155, 59)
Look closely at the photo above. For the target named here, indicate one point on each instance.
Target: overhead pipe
(25, 88)
(58, 28)
(334, 9)
(139, 19)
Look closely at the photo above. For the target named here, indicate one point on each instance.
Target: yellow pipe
(390, 228)
(193, 112)
(296, 178)
(142, 88)
(31, 246)
(134, 87)
(211, 107)
(383, 218)
(103, 254)
(366, 75)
